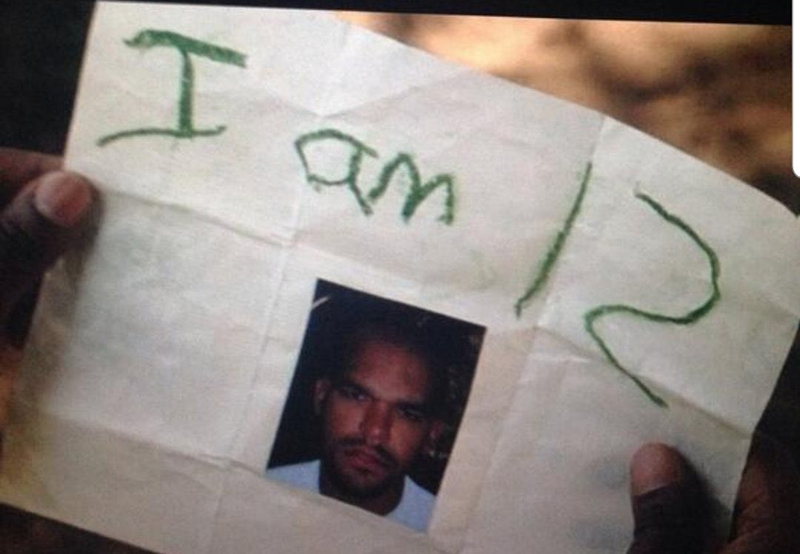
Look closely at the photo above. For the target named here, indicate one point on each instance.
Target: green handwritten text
(591, 317)
(418, 191)
(185, 46)
(550, 257)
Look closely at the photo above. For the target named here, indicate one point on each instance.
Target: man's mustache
(386, 458)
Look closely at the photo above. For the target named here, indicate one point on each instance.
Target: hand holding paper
(42, 210)
(628, 293)
(769, 494)
(671, 510)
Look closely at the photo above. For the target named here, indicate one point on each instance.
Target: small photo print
(375, 403)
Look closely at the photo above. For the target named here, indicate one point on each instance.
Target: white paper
(161, 354)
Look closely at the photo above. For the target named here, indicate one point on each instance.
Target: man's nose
(377, 423)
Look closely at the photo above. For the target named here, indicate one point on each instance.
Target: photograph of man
(379, 397)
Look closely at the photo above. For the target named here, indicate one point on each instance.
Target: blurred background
(721, 93)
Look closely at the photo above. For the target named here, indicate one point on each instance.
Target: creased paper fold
(161, 354)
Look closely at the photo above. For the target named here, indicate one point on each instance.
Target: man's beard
(361, 484)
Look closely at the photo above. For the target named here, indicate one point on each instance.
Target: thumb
(669, 506)
(35, 228)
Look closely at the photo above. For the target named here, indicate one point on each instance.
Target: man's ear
(434, 434)
(321, 389)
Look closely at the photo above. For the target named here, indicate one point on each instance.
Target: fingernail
(655, 466)
(62, 197)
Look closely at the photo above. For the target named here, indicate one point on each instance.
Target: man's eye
(413, 415)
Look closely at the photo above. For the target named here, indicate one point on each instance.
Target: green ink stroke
(550, 257)
(186, 46)
(353, 163)
(418, 192)
(596, 313)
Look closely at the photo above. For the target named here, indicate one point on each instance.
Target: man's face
(376, 419)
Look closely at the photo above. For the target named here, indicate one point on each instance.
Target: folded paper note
(272, 179)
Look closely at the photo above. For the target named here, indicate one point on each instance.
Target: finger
(768, 504)
(20, 317)
(669, 507)
(35, 228)
(19, 167)
(10, 362)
